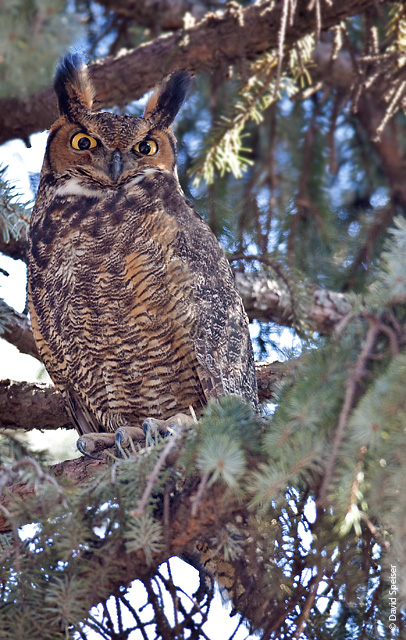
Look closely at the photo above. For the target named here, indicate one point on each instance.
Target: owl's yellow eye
(146, 147)
(83, 142)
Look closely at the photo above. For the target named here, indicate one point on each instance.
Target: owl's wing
(220, 336)
(84, 421)
(223, 346)
(226, 359)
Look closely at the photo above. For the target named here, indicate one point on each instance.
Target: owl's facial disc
(108, 151)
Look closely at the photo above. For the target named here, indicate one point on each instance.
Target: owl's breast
(114, 307)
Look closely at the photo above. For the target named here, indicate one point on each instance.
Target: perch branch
(263, 298)
(25, 405)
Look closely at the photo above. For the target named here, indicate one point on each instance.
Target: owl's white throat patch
(141, 176)
(75, 187)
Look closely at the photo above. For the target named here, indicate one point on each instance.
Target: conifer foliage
(292, 148)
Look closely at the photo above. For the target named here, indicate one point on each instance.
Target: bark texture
(27, 405)
(163, 14)
(15, 247)
(265, 300)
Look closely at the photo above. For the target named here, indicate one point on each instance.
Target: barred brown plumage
(132, 301)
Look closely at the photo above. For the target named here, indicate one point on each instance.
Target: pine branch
(181, 535)
(215, 40)
(14, 247)
(353, 381)
(78, 471)
(263, 300)
(339, 74)
(14, 220)
(32, 494)
(270, 374)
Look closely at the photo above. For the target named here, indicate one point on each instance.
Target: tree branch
(23, 502)
(27, 405)
(164, 14)
(118, 567)
(264, 300)
(213, 42)
(16, 329)
(269, 374)
(15, 248)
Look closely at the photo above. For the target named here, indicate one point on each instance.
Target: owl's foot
(90, 443)
(153, 427)
(125, 436)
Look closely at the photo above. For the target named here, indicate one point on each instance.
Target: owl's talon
(149, 427)
(82, 449)
(117, 441)
(153, 427)
(121, 440)
(90, 443)
(124, 437)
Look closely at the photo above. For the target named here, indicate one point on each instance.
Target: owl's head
(105, 150)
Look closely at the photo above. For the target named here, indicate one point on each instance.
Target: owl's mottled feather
(132, 301)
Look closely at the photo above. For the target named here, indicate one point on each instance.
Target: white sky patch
(13, 286)
(21, 161)
(219, 626)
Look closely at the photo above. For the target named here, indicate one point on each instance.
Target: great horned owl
(133, 304)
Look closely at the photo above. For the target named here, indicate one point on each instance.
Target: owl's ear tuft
(167, 99)
(72, 86)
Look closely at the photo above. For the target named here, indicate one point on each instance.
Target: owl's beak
(116, 165)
